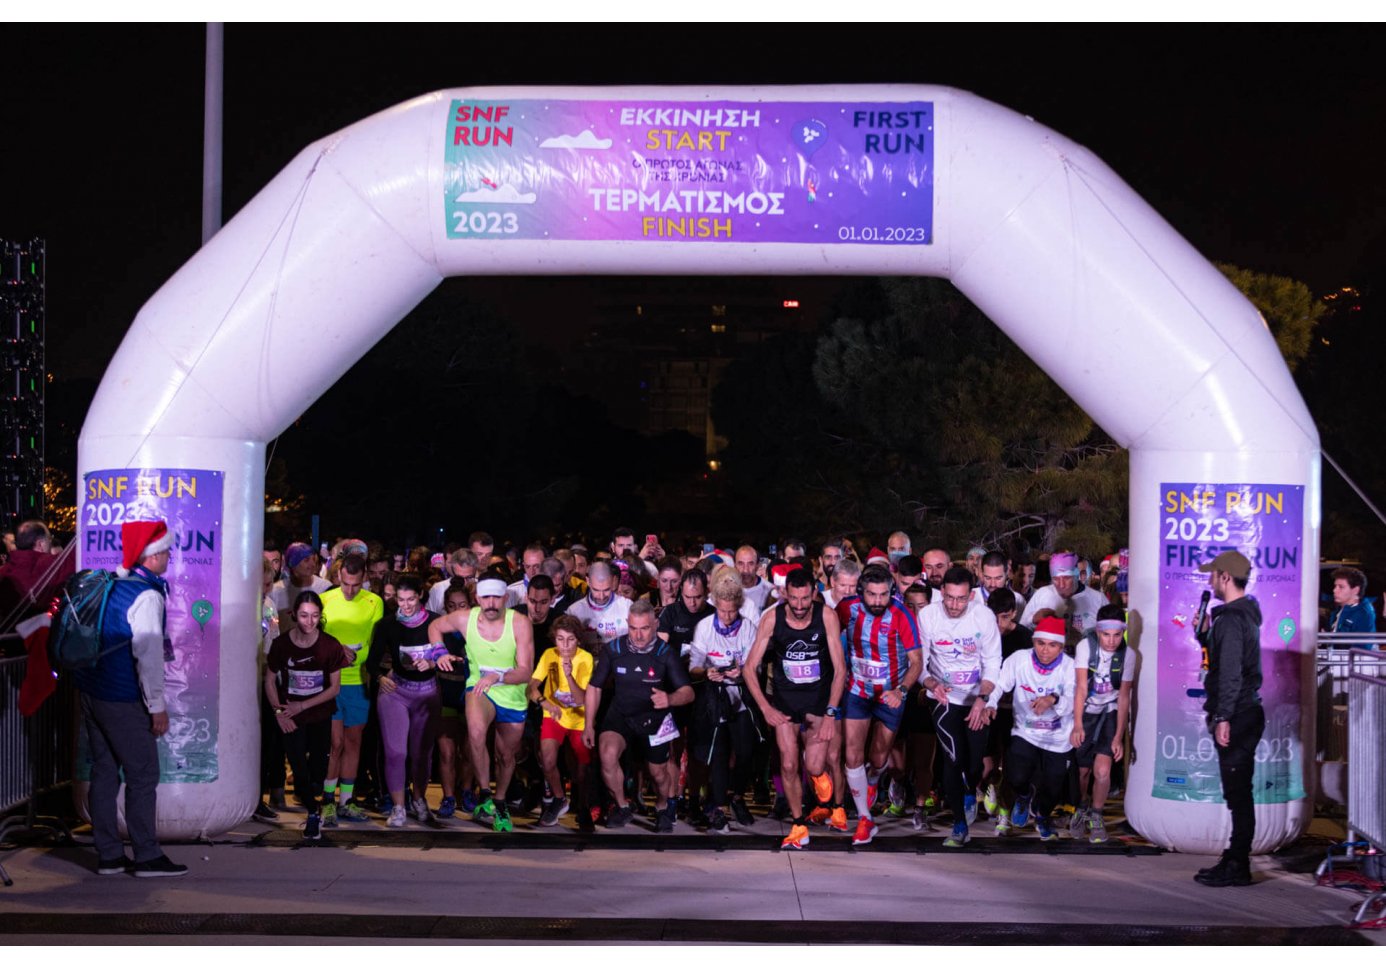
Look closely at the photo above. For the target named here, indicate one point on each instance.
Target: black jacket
(1234, 660)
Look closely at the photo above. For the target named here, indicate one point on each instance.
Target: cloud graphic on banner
(505, 195)
(585, 140)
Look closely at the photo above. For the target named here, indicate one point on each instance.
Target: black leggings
(307, 748)
(1037, 773)
(963, 749)
(271, 750)
(734, 738)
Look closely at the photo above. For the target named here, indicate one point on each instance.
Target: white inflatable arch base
(1127, 317)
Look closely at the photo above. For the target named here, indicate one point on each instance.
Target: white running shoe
(398, 818)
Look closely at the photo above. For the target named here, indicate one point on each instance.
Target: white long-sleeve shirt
(1050, 729)
(146, 618)
(960, 652)
(1080, 611)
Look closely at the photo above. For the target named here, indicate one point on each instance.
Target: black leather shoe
(1222, 862)
(1232, 873)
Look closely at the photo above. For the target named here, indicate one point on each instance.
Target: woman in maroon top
(302, 679)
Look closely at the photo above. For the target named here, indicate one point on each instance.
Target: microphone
(1202, 615)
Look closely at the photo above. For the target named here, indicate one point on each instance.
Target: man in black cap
(1233, 705)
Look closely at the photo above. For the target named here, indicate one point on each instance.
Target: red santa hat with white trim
(1050, 629)
(140, 539)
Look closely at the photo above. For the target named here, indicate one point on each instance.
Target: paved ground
(456, 882)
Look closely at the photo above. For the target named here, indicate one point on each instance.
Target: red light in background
(791, 304)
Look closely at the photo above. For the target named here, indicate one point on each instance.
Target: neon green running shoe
(352, 811)
(485, 810)
(502, 823)
(895, 810)
(989, 799)
(329, 814)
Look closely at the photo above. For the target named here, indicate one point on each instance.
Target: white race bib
(415, 652)
(878, 674)
(965, 678)
(666, 733)
(802, 673)
(305, 682)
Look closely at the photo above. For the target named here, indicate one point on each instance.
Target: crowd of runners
(832, 686)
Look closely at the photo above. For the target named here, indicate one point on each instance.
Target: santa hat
(140, 539)
(779, 574)
(1050, 629)
(877, 557)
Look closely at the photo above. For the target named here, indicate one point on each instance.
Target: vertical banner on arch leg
(191, 502)
(1265, 522)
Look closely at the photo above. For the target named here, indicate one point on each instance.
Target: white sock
(873, 775)
(856, 784)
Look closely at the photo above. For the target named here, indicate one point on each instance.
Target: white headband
(491, 587)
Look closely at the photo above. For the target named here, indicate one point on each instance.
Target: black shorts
(1096, 740)
(1001, 728)
(798, 705)
(637, 740)
(919, 716)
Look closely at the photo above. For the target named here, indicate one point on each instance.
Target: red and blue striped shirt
(877, 647)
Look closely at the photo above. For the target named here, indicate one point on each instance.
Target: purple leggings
(408, 724)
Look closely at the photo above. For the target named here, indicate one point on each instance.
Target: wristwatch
(835, 712)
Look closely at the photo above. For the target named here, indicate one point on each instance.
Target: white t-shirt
(283, 593)
(1050, 729)
(960, 652)
(711, 649)
(1080, 611)
(759, 593)
(609, 622)
(1100, 692)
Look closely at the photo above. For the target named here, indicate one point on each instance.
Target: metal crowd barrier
(1366, 688)
(1332, 662)
(35, 751)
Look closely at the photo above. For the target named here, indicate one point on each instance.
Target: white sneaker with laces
(398, 818)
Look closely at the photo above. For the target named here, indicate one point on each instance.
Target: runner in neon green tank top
(500, 654)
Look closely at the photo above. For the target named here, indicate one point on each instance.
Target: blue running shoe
(447, 808)
(960, 836)
(1020, 813)
(1045, 829)
(468, 801)
(970, 809)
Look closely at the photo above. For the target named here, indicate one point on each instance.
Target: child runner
(559, 686)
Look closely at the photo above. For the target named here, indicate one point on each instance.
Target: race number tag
(413, 653)
(564, 699)
(305, 683)
(877, 674)
(1045, 724)
(801, 673)
(1101, 686)
(965, 678)
(666, 733)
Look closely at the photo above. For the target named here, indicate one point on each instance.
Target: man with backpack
(123, 710)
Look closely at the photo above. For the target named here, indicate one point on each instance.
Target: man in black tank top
(802, 641)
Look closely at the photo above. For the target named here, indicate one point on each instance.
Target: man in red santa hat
(123, 710)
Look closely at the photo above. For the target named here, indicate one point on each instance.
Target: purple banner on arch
(190, 501)
(1198, 522)
(690, 171)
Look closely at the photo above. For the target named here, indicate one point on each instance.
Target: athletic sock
(873, 775)
(856, 784)
(329, 789)
(348, 787)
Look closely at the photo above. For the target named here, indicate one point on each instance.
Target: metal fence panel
(35, 752)
(1366, 689)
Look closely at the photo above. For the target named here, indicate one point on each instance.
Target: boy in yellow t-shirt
(559, 686)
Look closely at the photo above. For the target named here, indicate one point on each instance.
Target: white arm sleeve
(146, 617)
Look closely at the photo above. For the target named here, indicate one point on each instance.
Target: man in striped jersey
(882, 644)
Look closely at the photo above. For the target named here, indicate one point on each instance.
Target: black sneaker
(116, 865)
(160, 866)
(664, 822)
(312, 827)
(1222, 862)
(743, 812)
(263, 811)
(553, 810)
(718, 823)
(780, 811)
(585, 822)
(619, 817)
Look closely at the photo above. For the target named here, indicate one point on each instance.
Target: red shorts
(554, 730)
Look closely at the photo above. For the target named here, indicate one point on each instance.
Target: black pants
(308, 748)
(1237, 761)
(271, 750)
(963, 749)
(735, 738)
(1037, 773)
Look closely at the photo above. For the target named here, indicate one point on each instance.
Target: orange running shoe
(823, 787)
(798, 838)
(820, 816)
(871, 796)
(838, 821)
(866, 832)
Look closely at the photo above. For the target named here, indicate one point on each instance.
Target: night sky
(1262, 145)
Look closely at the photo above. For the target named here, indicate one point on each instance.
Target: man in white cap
(1066, 597)
(123, 710)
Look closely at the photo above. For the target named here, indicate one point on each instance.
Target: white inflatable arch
(1127, 317)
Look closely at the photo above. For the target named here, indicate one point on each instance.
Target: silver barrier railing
(35, 752)
(1332, 662)
(1366, 690)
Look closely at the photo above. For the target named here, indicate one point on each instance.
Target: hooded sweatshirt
(1234, 660)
